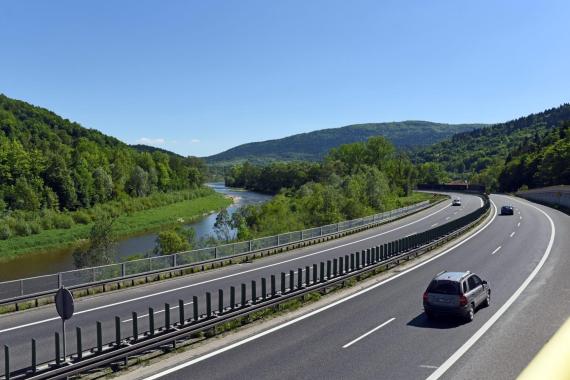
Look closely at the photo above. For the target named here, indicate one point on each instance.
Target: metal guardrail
(313, 278)
(29, 288)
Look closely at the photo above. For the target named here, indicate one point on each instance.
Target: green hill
(314, 145)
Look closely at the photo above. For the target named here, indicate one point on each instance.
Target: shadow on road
(423, 321)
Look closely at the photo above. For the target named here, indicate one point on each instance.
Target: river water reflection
(52, 262)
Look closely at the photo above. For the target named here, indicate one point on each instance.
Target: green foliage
(50, 162)
(5, 232)
(101, 245)
(313, 146)
(174, 240)
(223, 226)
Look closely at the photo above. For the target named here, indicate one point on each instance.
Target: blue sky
(199, 77)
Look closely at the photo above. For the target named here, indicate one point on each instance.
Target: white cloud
(147, 141)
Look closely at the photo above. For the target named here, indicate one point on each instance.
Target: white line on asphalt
(520, 217)
(496, 250)
(368, 333)
(317, 311)
(156, 312)
(428, 366)
(455, 213)
(512, 234)
(413, 233)
(448, 218)
(491, 321)
(435, 224)
(224, 277)
(518, 224)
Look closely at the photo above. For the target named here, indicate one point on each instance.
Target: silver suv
(456, 293)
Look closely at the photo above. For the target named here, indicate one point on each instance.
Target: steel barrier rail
(121, 270)
(338, 271)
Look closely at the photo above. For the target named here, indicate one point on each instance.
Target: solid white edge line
(368, 333)
(223, 277)
(512, 233)
(317, 311)
(491, 321)
(496, 250)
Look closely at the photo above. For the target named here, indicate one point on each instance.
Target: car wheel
(470, 314)
(487, 301)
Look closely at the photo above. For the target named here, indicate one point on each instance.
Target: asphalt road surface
(382, 332)
(17, 329)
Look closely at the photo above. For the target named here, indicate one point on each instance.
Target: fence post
(166, 316)
(117, 331)
(273, 291)
(351, 262)
(181, 316)
(135, 322)
(346, 263)
(215, 252)
(299, 278)
(232, 297)
(328, 269)
(277, 239)
(314, 273)
(263, 288)
(34, 356)
(123, 271)
(243, 295)
(335, 267)
(57, 349)
(59, 282)
(22, 287)
(151, 320)
(6, 362)
(208, 304)
(307, 276)
(253, 292)
(340, 265)
(322, 271)
(195, 308)
(357, 256)
(283, 282)
(99, 337)
(175, 260)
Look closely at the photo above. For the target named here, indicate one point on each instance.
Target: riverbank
(126, 225)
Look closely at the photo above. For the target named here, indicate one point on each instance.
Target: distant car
(456, 294)
(507, 210)
(456, 202)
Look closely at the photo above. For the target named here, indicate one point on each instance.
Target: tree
(101, 247)
(172, 241)
(223, 226)
(138, 184)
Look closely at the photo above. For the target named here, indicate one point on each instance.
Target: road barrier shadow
(442, 323)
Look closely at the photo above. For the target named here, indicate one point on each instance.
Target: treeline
(47, 162)
(503, 157)
(354, 180)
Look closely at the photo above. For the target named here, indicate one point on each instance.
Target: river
(58, 261)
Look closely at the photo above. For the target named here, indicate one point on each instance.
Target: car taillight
(426, 296)
(462, 300)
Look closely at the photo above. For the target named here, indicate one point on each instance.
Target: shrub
(81, 217)
(5, 232)
(22, 229)
(35, 227)
(63, 221)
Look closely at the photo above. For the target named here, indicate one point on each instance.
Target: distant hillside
(152, 149)
(314, 145)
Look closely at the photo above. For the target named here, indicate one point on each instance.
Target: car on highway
(507, 210)
(456, 202)
(457, 294)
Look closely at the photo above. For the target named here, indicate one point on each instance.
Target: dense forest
(314, 146)
(352, 181)
(47, 162)
(505, 156)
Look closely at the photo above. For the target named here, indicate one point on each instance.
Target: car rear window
(444, 287)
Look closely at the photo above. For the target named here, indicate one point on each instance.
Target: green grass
(128, 225)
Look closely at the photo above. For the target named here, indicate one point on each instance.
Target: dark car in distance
(507, 210)
(457, 294)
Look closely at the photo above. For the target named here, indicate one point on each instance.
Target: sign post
(65, 307)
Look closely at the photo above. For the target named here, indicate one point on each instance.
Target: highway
(382, 332)
(17, 329)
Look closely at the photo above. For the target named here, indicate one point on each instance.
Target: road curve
(382, 332)
(17, 329)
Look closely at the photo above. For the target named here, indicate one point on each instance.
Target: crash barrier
(553, 360)
(553, 195)
(12, 292)
(203, 314)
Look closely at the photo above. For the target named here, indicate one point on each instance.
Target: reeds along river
(58, 261)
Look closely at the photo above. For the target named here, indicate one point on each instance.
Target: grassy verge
(126, 225)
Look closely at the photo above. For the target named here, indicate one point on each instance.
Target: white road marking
(491, 321)
(496, 250)
(156, 312)
(223, 277)
(317, 311)
(520, 217)
(428, 366)
(455, 213)
(368, 333)
(518, 224)
(413, 233)
(435, 224)
(448, 218)
(512, 234)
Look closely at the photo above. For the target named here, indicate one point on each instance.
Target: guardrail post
(195, 315)
(181, 316)
(335, 267)
(57, 350)
(175, 260)
(368, 257)
(307, 275)
(314, 273)
(220, 301)
(166, 316)
(340, 265)
(135, 321)
(263, 288)
(117, 331)
(59, 280)
(352, 262)
(282, 282)
(322, 271)
(346, 264)
(249, 246)
(215, 252)
(272, 290)
(243, 295)
(208, 304)
(291, 280)
(363, 258)
(34, 356)
(232, 297)
(376, 254)
(123, 270)
(99, 337)
(357, 257)
(253, 292)
(151, 320)
(6, 362)
(329, 264)
(299, 278)
(278, 239)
